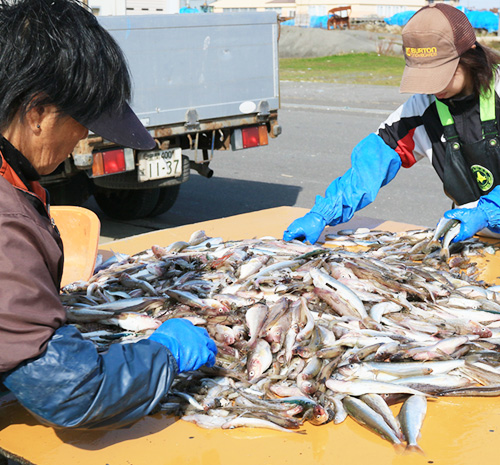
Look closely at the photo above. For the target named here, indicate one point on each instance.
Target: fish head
(228, 339)
(302, 351)
(254, 370)
(320, 415)
(306, 386)
(216, 310)
(274, 334)
(480, 330)
(350, 370)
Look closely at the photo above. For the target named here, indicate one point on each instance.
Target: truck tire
(166, 199)
(126, 204)
(72, 191)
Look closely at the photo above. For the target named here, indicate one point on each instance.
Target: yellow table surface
(461, 431)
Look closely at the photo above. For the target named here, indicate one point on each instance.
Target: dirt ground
(299, 42)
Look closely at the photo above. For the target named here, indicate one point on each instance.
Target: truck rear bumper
(128, 179)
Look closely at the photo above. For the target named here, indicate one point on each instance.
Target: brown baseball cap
(433, 40)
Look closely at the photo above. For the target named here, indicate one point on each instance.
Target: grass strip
(356, 68)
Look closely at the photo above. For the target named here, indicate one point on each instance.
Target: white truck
(201, 83)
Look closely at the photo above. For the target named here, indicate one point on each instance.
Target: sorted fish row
(309, 333)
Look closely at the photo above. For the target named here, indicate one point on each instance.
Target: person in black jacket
(452, 120)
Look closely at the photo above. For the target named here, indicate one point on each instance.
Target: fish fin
(432, 246)
(414, 448)
(399, 432)
(444, 254)
(399, 447)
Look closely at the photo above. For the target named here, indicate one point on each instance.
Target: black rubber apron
(471, 170)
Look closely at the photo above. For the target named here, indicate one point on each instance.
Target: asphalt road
(321, 124)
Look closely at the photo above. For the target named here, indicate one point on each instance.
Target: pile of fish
(309, 333)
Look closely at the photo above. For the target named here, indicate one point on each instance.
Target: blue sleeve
(72, 385)
(490, 204)
(373, 165)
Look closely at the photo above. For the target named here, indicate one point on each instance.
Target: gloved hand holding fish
(472, 220)
(460, 224)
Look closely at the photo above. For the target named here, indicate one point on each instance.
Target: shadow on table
(100, 439)
(13, 413)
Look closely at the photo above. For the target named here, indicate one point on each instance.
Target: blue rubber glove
(373, 165)
(190, 345)
(472, 220)
(309, 228)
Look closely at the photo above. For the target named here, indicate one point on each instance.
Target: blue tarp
(399, 19)
(189, 10)
(479, 19)
(318, 21)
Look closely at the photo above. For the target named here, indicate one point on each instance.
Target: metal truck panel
(220, 65)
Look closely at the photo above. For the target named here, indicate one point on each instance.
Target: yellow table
(457, 431)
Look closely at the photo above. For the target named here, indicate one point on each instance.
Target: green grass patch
(356, 68)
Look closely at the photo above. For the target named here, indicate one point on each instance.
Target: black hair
(479, 63)
(55, 52)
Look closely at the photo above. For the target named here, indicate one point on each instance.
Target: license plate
(160, 164)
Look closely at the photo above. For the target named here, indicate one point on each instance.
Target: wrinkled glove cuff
(330, 209)
(492, 212)
(166, 341)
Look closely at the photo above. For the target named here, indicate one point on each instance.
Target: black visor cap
(123, 127)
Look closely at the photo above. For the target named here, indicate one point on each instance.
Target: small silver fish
(366, 416)
(411, 417)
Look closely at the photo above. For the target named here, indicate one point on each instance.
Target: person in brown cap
(451, 119)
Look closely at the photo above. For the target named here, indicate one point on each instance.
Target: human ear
(34, 118)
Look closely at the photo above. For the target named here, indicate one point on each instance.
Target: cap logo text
(421, 52)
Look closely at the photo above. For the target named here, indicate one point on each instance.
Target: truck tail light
(112, 162)
(253, 136)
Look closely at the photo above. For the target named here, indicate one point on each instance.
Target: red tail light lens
(253, 136)
(250, 137)
(109, 162)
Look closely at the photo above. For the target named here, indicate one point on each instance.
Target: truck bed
(220, 65)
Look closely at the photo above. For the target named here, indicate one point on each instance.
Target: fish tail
(399, 447)
(414, 448)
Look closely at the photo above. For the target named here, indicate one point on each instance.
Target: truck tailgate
(220, 65)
